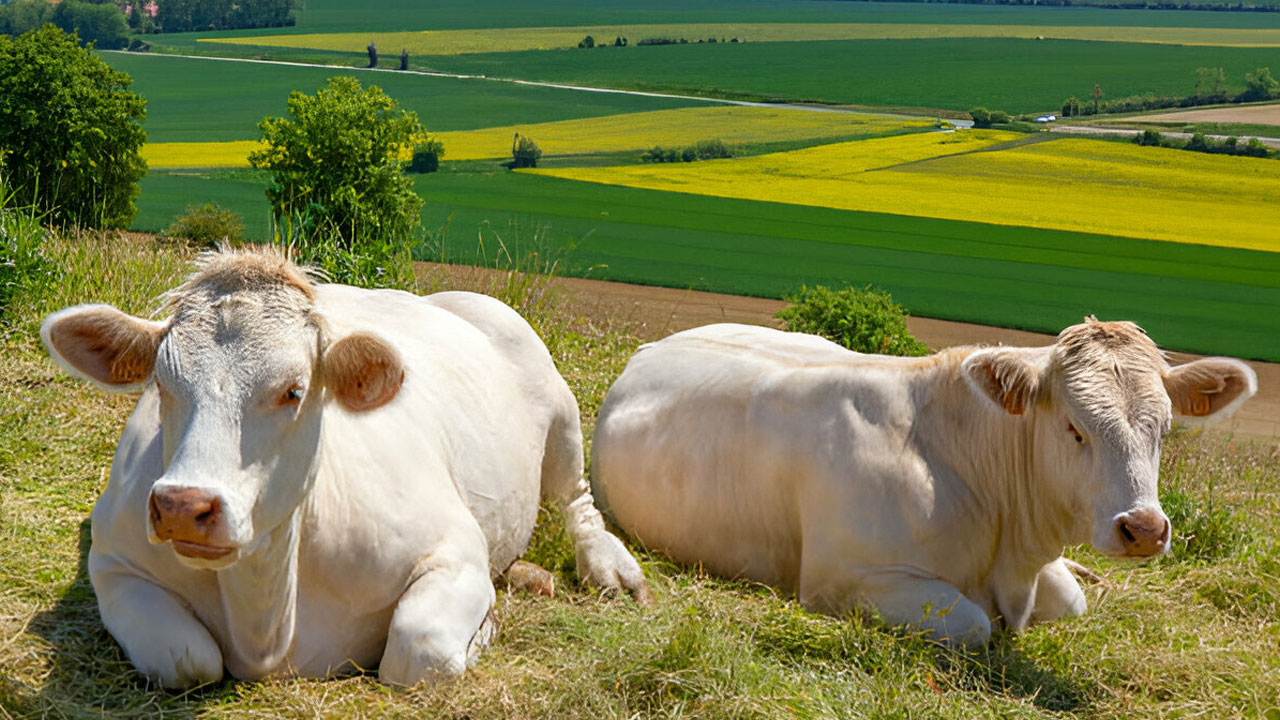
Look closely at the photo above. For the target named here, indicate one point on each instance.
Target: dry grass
(1196, 634)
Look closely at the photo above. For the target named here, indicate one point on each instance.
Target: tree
(103, 26)
(525, 153)
(1259, 85)
(70, 131)
(981, 117)
(336, 163)
(1097, 98)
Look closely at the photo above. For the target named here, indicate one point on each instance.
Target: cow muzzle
(190, 518)
(1143, 532)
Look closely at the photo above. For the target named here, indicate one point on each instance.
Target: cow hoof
(530, 578)
(604, 562)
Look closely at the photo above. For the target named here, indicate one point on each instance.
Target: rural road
(654, 312)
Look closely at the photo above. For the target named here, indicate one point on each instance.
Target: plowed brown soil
(654, 312)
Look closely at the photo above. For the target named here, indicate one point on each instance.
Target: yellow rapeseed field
(684, 126)
(1068, 184)
(613, 133)
(456, 42)
(234, 154)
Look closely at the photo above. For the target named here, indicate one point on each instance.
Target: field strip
(608, 134)
(489, 40)
(1068, 184)
(1244, 114)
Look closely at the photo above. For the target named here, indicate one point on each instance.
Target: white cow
(939, 491)
(320, 477)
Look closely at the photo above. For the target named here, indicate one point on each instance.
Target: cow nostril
(211, 513)
(155, 512)
(1129, 539)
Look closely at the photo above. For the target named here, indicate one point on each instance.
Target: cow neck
(995, 456)
(259, 601)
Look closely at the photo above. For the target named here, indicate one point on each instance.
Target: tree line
(107, 23)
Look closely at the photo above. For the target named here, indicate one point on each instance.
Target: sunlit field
(487, 40)
(1068, 184)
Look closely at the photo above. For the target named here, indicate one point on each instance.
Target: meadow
(1194, 633)
(487, 40)
(1015, 75)
(197, 100)
(1073, 184)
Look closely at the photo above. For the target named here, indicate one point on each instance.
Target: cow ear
(1209, 389)
(113, 350)
(1005, 376)
(363, 371)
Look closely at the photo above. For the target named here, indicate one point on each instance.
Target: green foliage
(702, 150)
(981, 117)
(865, 320)
(999, 117)
(587, 42)
(71, 130)
(100, 24)
(426, 156)
(208, 225)
(525, 153)
(1201, 531)
(1199, 142)
(188, 15)
(1259, 85)
(1149, 137)
(339, 185)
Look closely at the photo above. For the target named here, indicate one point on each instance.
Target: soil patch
(655, 312)
(1248, 115)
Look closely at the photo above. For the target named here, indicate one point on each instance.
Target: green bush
(525, 153)
(339, 186)
(426, 156)
(999, 117)
(70, 131)
(207, 225)
(864, 320)
(981, 117)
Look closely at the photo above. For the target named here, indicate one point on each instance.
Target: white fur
(906, 485)
(361, 537)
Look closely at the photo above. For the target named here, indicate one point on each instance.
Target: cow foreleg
(1058, 594)
(603, 561)
(161, 636)
(441, 623)
(903, 598)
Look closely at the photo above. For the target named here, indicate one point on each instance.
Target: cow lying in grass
(939, 491)
(319, 477)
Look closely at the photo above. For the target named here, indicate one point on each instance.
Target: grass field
(1065, 184)
(194, 100)
(460, 42)
(958, 73)
(1192, 634)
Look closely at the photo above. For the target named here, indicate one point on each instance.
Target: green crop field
(1010, 74)
(194, 100)
(1191, 297)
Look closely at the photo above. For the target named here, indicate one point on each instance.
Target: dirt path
(655, 312)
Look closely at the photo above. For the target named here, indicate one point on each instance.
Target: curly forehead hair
(225, 272)
(1114, 372)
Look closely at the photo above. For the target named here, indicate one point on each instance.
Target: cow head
(244, 369)
(1097, 404)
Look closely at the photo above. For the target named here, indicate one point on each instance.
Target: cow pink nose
(1143, 532)
(187, 515)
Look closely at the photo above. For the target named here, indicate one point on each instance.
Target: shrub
(981, 117)
(426, 157)
(864, 320)
(525, 153)
(1149, 137)
(587, 42)
(712, 150)
(71, 130)
(207, 225)
(999, 117)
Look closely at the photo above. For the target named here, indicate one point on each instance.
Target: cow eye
(292, 395)
(1071, 428)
